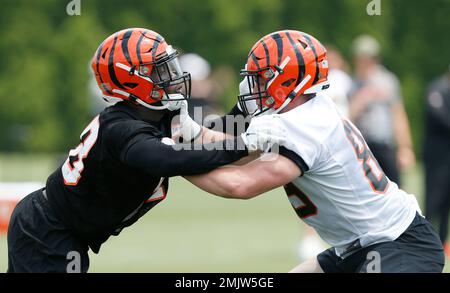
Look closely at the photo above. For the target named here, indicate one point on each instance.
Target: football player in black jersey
(120, 169)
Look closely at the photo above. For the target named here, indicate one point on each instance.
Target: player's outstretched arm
(246, 181)
(191, 131)
(236, 121)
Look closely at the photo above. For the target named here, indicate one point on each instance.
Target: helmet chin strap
(148, 106)
(173, 101)
(168, 104)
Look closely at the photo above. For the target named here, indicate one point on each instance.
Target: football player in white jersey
(330, 175)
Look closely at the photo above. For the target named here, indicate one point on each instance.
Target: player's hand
(188, 129)
(263, 132)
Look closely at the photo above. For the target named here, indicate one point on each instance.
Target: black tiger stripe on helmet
(125, 39)
(279, 42)
(313, 47)
(299, 56)
(112, 73)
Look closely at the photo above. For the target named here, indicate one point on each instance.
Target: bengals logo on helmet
(137, 64)
(280, 67)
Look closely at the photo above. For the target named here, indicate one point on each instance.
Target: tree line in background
(45, 54)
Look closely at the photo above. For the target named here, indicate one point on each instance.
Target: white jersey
(343, 194)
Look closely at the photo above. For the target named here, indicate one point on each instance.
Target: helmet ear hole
(304, 45)
(104, 53)
(130, 85)
(288, 82)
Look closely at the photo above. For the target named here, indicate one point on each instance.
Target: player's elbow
(238, 189)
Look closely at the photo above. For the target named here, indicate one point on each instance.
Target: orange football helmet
(280, 67)
(137, 64)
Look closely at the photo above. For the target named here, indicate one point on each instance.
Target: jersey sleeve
(119, 135)
(139, 145)
(154, 157)
(303, 153)
(303, 146)
(294, 157)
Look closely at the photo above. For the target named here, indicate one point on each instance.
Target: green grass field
(192, 231)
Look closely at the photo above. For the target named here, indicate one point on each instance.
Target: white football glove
(263, 132)
(188, 129)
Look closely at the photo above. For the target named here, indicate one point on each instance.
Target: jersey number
(375, 175)
(74, 166)
(303, 206)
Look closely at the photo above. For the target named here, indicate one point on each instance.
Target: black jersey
(120, 170)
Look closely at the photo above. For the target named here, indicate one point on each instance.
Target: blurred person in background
(376, 107)
(204, 90)
(437, 155)
(340, 81)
